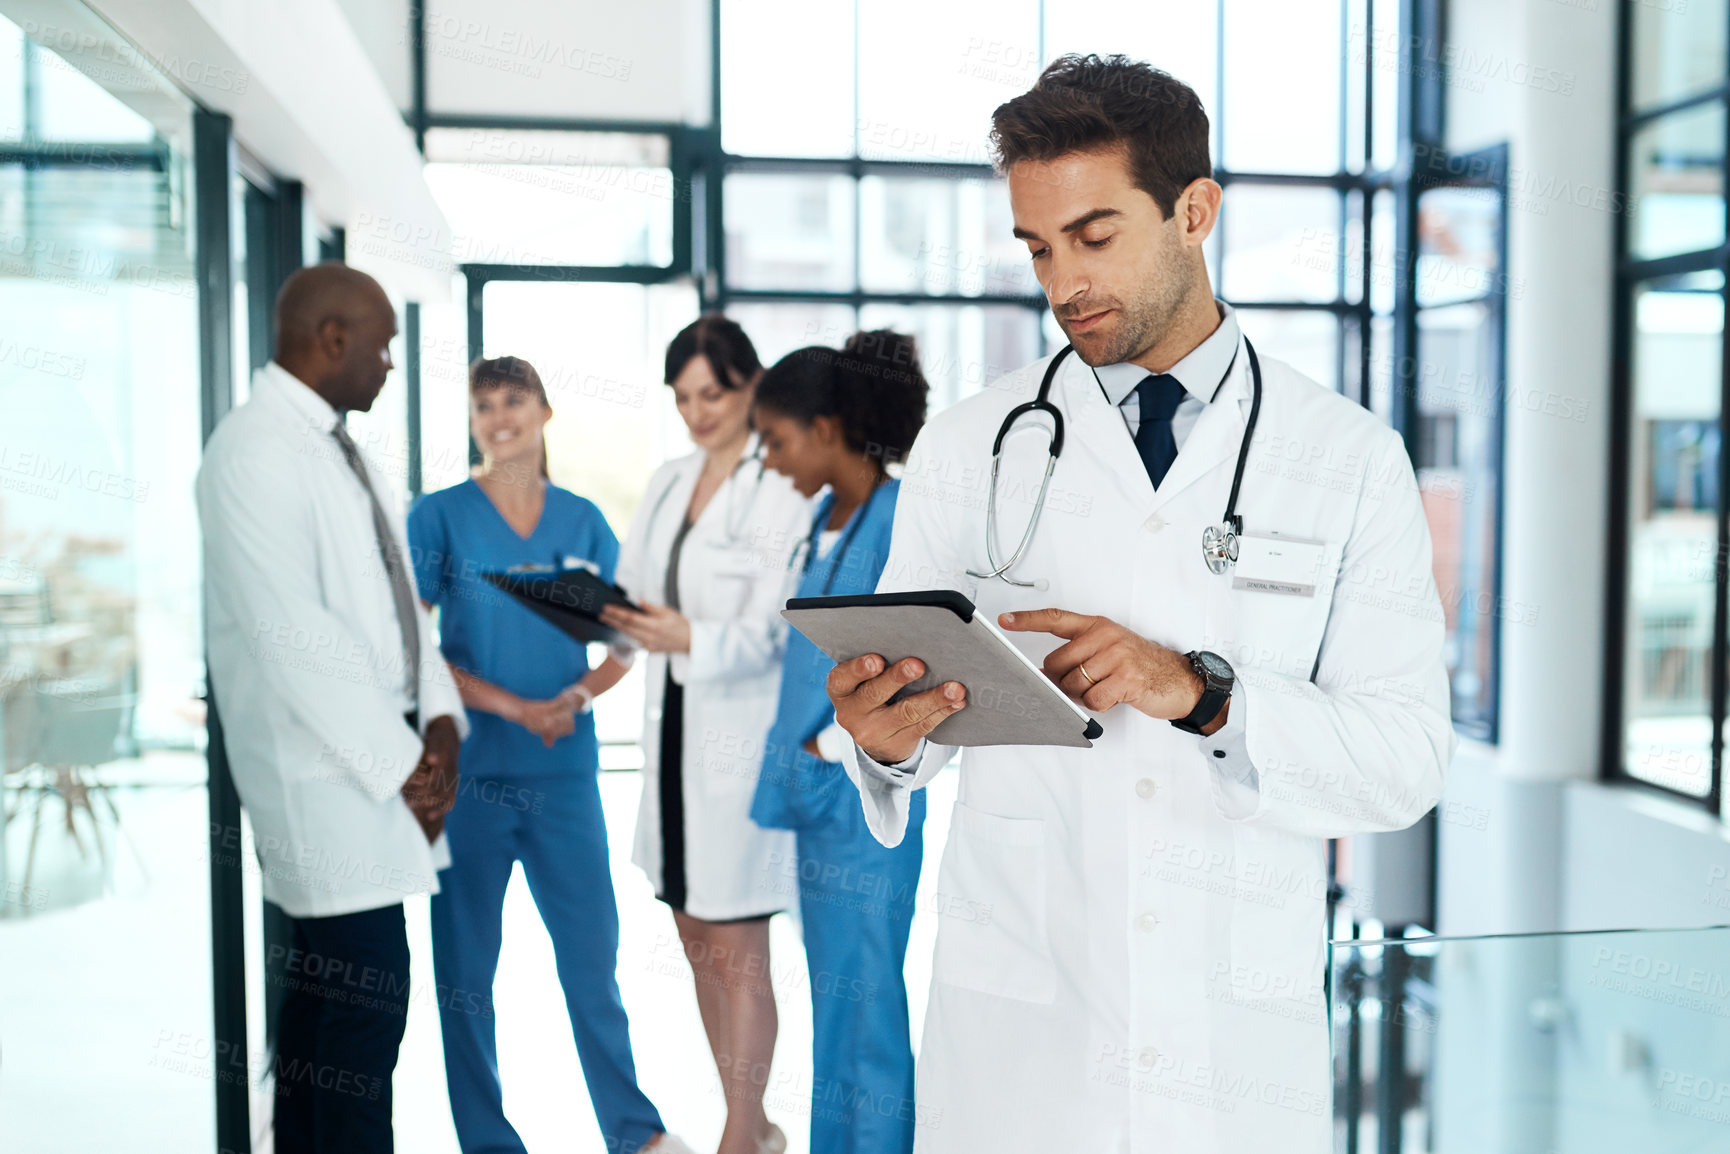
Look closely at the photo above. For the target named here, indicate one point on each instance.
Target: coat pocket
(1279, 917)
(991, 899)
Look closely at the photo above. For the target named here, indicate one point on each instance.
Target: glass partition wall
(104, 894)
(1667, 677)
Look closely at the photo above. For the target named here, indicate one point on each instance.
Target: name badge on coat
(1270, 563)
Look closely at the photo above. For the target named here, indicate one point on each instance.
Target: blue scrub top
(455, 536)
(794, 789)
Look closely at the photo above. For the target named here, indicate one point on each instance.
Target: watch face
(1215, 665)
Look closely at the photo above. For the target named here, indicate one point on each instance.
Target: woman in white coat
(706, 558)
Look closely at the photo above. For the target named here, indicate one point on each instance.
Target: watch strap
(1213, 699)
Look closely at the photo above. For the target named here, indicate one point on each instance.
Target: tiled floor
(538, 1060)
(105, 998)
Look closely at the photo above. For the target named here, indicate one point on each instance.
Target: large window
(104, 915)
(901, 222)
(1669, 658)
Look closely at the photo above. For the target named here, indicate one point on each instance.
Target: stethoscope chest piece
(1219, 546)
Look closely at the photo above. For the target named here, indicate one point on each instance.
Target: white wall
(382, 28)
(307, 101)
(645, 60)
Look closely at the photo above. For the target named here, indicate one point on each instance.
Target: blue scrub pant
(554, 826)
(856, 899)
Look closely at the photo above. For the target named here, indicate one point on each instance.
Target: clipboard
(1010, 701)
(571, 599)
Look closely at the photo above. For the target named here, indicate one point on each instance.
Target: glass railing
(1575, 1043)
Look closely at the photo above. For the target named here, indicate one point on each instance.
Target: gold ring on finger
(1086, 674)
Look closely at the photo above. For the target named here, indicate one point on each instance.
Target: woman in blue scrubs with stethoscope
(529, 792)
(836, 420)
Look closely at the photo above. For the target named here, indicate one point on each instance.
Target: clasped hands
(1121, 668)
(431, 790)
(553, 718)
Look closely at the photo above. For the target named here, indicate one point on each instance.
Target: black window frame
(1632, 275)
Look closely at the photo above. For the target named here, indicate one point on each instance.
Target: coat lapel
(1096, 427)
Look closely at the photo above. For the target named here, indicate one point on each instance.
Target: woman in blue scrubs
(836, 420)
(529, 792)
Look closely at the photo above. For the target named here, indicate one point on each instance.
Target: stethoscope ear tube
(1232, 517)
(1041, 403)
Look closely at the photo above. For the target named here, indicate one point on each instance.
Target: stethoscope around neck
(732, 523)
(1219, 543)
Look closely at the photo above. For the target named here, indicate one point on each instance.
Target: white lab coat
(1131, 944)
(307, 662)
(732, 577)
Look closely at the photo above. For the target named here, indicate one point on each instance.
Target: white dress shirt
(307, 663)
(1201, 373)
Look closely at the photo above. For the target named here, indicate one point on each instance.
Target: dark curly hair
(1081, 103)
(872, 385)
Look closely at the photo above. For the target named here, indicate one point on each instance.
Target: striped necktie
(400, 591)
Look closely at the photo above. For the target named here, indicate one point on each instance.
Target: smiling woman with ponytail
(838, 419)
(529, 791)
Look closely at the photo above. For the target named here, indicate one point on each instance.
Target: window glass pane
(1282, 86)
(1678, 182)
(600, 351)
(1384, 259)
(1174, 35)
(1354, 383)
(962, 348)
(382, 431)
(1382, 41)
(444, 395)
(104, 873)
(771, 48)
(240, 325)
(931, 74)
(1678, 49)
(1382, 367)
(74, 107)
(777, 329)
(1353, 96)
(1308, 340)
(1352, 248)
(789, 232)
(1459, 394)
(11, 81)
(515, 197)
(1281, 243)
(1459, 257)
(1674, 445)
(940, 237)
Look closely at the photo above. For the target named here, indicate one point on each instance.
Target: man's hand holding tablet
(889, 732)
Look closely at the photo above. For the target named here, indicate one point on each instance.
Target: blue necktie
(1158, 397)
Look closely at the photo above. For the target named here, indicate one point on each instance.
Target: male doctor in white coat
(1131, 941)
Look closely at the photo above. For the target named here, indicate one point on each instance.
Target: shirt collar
(1200, 373)
(299, 395)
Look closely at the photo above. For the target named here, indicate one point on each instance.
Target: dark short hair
(1081, 103)
(722, 343)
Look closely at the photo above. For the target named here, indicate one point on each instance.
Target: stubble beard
(1142, 322)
